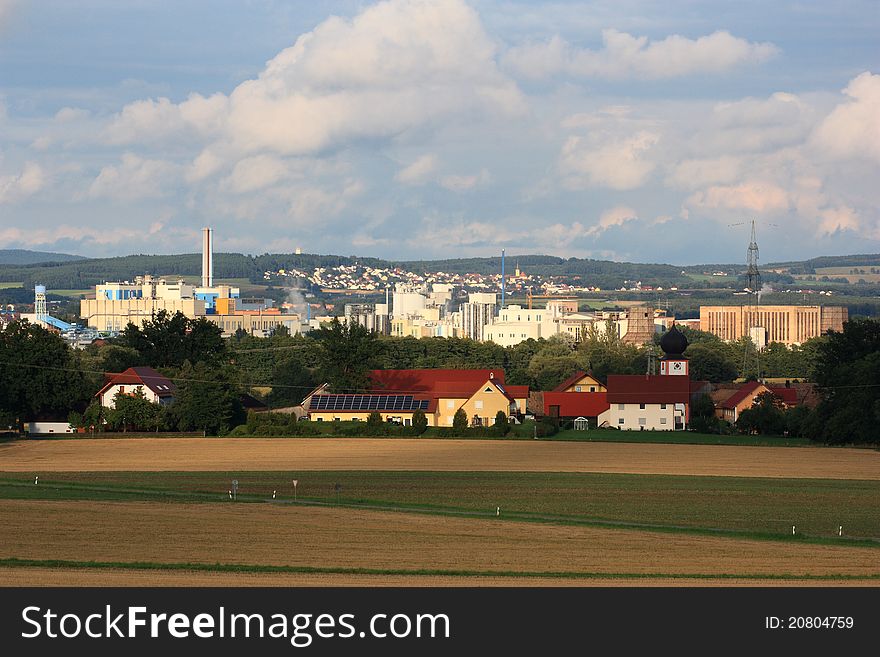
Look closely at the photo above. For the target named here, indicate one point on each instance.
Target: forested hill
(85, 273)
(25, 257)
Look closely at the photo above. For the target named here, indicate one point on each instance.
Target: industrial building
(117, 304)
(789, 325)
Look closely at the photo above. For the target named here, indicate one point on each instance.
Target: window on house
(641, 406)
(577, 388)
(478, 403)
(662, 420)
(643, 421)
(407, 422)
(662, 407)
(620, 421)
(450, 403)
(449, 419)
(121, 388)
(592, 388)
(621, 407)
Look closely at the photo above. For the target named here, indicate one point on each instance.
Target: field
(230, 454)
(733, 505)
(312, 539)
(423, 513)
(4, 286)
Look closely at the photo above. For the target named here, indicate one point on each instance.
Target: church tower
(673, 362)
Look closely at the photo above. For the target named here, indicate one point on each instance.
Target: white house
(156, 388)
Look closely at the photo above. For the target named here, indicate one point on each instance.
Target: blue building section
(57, 323)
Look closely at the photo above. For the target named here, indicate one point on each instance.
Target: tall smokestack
(502, 279)
(207, 257)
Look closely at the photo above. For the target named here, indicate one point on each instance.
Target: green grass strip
(114, 494)
(14, 562)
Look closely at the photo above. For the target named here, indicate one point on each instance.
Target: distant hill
(25, 257)
(74, 273)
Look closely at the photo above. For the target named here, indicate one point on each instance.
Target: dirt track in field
(345, 538)
(242, 454)
(121, 577)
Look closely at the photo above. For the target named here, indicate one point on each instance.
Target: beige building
(789, 325)
(257, 324)
(114, 314)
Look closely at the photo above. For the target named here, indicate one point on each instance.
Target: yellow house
(581, 382)
(439, 394)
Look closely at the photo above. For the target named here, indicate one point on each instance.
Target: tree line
(41, 376)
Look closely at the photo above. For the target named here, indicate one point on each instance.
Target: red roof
(517, 392)
(576, 404)
(648, 389)
(570, 381)
(145, 376)
(457, 383)
(788, 395)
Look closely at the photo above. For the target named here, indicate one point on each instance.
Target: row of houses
(660, 402)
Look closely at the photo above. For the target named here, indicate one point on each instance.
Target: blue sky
(413, 129)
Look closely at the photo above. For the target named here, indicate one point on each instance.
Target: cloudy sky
(619, 129)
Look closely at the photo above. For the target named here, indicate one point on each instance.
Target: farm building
(156, 388)
(45, 427)
(730, 402)
(439, 394)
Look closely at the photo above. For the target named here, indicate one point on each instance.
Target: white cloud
(852, 129)
(419, 171)
(256, 172)
(616, 216)
(692, 174)
(135, 178)
(755, 195)
(69, 114)
(28, 182)
(398, 65)
(152, 120)
(459, 183)
(617, 162)
(624, 55)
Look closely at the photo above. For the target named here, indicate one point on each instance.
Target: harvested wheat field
(32, 576)
(262, 534)
(219, 454)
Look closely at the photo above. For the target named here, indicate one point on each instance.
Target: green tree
(134, 412)
(169, 340)
(703, 419)
(554, 363)
(501, 425)
(375, 424)
(419, 422)
(460, 421)
(847, 371)
(40, 374)
(206, 399)
(348, 351)
(707, 362)
(290, 383)
(766, 416)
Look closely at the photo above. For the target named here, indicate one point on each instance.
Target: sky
(627, 130)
